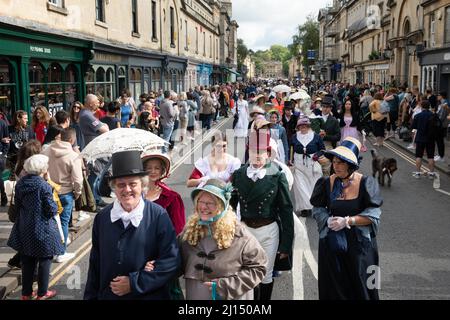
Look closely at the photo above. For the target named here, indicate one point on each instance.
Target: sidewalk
(441, 166)
(10, 279)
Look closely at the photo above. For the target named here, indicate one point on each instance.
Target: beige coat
(65, 167)
(238, 269)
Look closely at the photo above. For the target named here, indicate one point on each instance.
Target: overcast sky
(263, 23)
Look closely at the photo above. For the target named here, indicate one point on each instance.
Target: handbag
(283, 264)
(12, 209)
(86, 201)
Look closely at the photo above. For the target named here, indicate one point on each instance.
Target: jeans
(28, 268)
(66, 214)
(167, 133)
(91, 179)
(206, 120)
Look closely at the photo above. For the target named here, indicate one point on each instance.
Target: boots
(265, 291)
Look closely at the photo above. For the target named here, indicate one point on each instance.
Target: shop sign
(40, 49)
(54, 108)
(104, 57)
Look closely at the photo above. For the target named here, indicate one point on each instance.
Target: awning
(232, 71)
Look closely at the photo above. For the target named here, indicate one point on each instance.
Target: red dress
(41, 131)
(172, 202)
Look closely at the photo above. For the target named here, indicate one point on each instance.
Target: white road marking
(442, 191)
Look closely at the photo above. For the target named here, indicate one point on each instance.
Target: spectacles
(209, 256)
(201, 267)
(132, 185)
(209, 205)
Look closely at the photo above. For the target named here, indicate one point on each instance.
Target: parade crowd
(304, 141)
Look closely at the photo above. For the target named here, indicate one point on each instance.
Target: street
(413, 240)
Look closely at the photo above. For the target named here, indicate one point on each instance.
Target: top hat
(348, 151)
(327, 99)
(127, 164)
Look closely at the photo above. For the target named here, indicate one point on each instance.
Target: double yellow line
(84, 249)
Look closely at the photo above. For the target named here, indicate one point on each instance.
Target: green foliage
(242, 51)
(307, 38)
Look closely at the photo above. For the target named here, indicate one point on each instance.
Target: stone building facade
(56, 51)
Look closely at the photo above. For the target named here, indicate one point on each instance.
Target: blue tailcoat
(117, 251)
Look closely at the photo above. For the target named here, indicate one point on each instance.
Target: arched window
(100, 75)
(156, 79)
(71, 85)
(8, 87)
(99, 81)
(135, 82)
(55, 73)
(37, 84)
(406, 28)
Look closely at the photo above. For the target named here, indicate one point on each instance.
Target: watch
(353, 221)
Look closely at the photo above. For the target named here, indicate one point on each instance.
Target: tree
(279, 53)
(307, 38)
(242, 51)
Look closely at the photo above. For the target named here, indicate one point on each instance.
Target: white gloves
(338, 223)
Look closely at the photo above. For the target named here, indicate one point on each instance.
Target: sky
(263, 23)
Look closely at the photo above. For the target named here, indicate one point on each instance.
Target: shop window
(101, 82)
(135, 82)
(156, 79)
(37, 84)
(147, 83)
(7, 88)
(71, 85)
(122, 79)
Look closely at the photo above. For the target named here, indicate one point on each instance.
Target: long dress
(345, 275)
(241, 127)
(307, 171)
(348, 131)
(203, 169)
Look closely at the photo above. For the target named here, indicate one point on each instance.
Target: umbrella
(282, 88)
(122, 139)
(300, 95)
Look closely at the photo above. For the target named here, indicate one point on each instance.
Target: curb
(441, 167)
(11, 279)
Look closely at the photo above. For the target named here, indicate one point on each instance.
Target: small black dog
(384, 167)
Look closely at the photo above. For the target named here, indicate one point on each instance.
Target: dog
(384, 167)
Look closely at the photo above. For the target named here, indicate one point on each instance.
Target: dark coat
(267, 198)
(117, 251)
(290, 126)
(35, 232)
(332, 131)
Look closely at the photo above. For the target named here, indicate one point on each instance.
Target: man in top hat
(262, 192)
(126, 235)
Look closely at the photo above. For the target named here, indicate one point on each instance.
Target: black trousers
(28, 267)
(440, 142)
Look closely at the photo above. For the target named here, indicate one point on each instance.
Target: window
(210, 46)
(134, 16)
(204, 44)
(196, 39)
(217, 49)
(154, 37)
(7, 87)
(186, 35)
(135, 82)
(101, 81)
(156, 79)
(432, 30)
(172, 27)
(58, 3)
(99, 10)
(447, 25)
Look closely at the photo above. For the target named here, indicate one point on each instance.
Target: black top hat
(126, 164)
(327, 99)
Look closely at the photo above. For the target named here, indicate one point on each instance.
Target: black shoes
(4, 201)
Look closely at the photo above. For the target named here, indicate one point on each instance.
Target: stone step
(7, 285)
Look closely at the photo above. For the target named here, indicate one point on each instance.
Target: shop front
(435, 70)
(204, 72)
(40, 69)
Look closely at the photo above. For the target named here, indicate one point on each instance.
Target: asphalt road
(413, 239)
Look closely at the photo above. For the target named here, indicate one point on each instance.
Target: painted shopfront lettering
(40, 49)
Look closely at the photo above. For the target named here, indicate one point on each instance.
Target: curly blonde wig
(223, 229)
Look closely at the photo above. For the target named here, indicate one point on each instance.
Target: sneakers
(83, 216)
(31, 297)
(65, 257)
(431, 175)
(416, 174)
(411, 146)
(438, 159)
(50, 294)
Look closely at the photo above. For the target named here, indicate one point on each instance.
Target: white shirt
(256, 173)
(134, 216)
(305, 139)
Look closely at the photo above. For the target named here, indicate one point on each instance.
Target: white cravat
(325, 117)
(134, 216)
(305, 139)
(256, 173)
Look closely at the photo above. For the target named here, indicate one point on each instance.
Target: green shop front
(40, 69)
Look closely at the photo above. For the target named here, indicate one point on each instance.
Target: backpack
(434, 126)
(384, 107)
